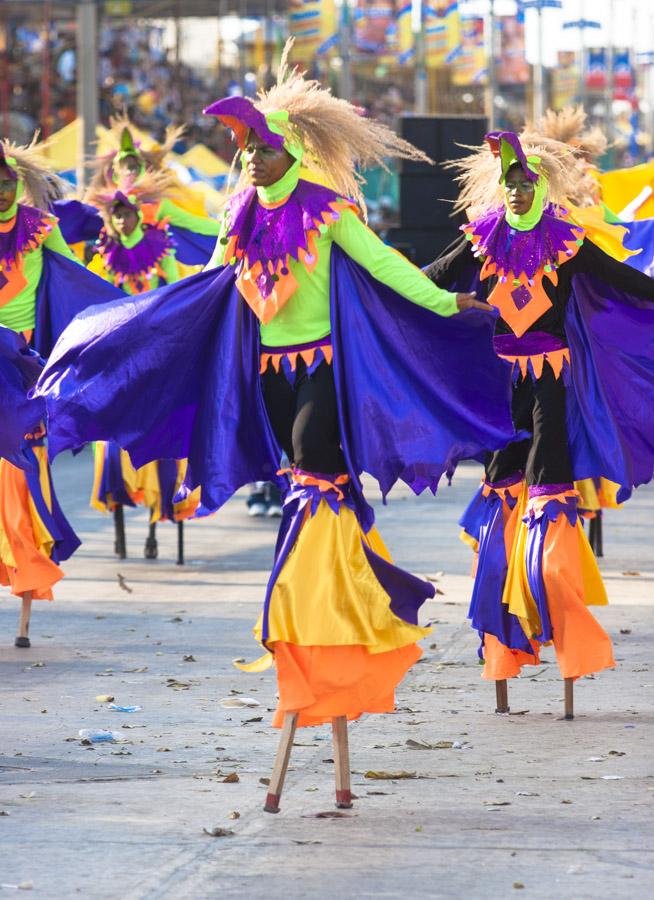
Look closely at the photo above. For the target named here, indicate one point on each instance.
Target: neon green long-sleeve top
(19, 313)
(305, 317)
(181, 218)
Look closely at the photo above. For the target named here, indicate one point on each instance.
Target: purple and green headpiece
(242, 116)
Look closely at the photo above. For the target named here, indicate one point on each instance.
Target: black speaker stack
(426, 192)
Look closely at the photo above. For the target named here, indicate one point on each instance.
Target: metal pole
(610, 76)
(346, 51)
(539, 75)
(46, 112)
(4, 74)
(583, 65)
(420, 68)
(492, 74)
(87, 83)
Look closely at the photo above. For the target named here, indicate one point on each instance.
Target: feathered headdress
(38, 183)
(328, 133)
(149, 188)
(480, 174)
(569, 127)
(121, 136)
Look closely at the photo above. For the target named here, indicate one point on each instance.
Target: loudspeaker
(427, 192)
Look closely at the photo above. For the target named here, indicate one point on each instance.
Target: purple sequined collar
(139, 261)
(30, 228)
(508, 252)
(263, 239)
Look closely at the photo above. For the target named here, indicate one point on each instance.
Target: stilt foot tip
(569, 717)
(272, 803)
(22, 642)
(344, 800)
(504, 711)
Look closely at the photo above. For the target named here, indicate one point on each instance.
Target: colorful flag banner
(469, 63)
(565, 79)
(511, 65)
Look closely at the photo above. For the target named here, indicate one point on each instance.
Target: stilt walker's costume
(313, 337)
(41, 288)
(578, 328)
(136, 264)
(193, 231)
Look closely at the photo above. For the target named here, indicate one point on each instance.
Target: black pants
(304, 417)
(537, 406)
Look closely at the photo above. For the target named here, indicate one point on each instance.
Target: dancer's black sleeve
(591, 260)
(455, 265)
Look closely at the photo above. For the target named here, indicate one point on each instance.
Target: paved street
(524, 804)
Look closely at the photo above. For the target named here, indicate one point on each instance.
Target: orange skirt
(25, 545)
(321, 683)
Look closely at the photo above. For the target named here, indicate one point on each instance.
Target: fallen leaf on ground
(307, 842)
(178, 685)
(255, 719)
(218, 832)
(439, 745)
(234, 815)
(104, 698)
(518, 885)
(122, 584)
(617, 753)
(265, 781)
(497, 803)
(389, 776)
(189, 658)
(632, 574)
(232, 778)
(526, 794)
(377, 793)
(238, 702)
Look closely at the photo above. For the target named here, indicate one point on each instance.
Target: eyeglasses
(523, 187)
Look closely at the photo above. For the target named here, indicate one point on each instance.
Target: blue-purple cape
(65, 289)
(609, 409)
(175, 373)
(81, 222)
(19, 369)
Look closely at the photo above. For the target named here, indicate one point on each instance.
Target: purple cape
(19, 369)
(417, 392)
(611, 338)
(65, 289)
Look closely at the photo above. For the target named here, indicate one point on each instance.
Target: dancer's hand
(469, 301)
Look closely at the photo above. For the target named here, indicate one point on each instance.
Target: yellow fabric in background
(621, 186)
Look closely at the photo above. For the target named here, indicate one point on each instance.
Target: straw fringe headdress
(478, 175)
(338, 139)
(120, 128)
(569, 127)
(40, 184)
(149, 188)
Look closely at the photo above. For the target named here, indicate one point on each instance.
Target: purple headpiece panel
(241, 115)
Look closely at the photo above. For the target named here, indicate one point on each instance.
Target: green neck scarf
(9, 214)
(283, 188)
(132, 239)
(532, 217)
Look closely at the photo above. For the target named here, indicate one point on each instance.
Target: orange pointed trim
(512, 490)
(310, 479)
(308, 355)
(534, 364)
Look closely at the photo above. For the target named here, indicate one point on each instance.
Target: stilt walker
(182, 208)
(137, 256)
(577, 326)
(314, 338)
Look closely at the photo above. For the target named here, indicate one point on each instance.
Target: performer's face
(519, 191)
(125, 219)
(131, 165)
(265, 165)
(8, 188)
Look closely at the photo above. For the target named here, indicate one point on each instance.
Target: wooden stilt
(151, 547)
(569, 698)
(180, 543)
(22, 638)
(595, 535)
(341, 762)
(501, 696)
(281, 763)
(120, 544)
